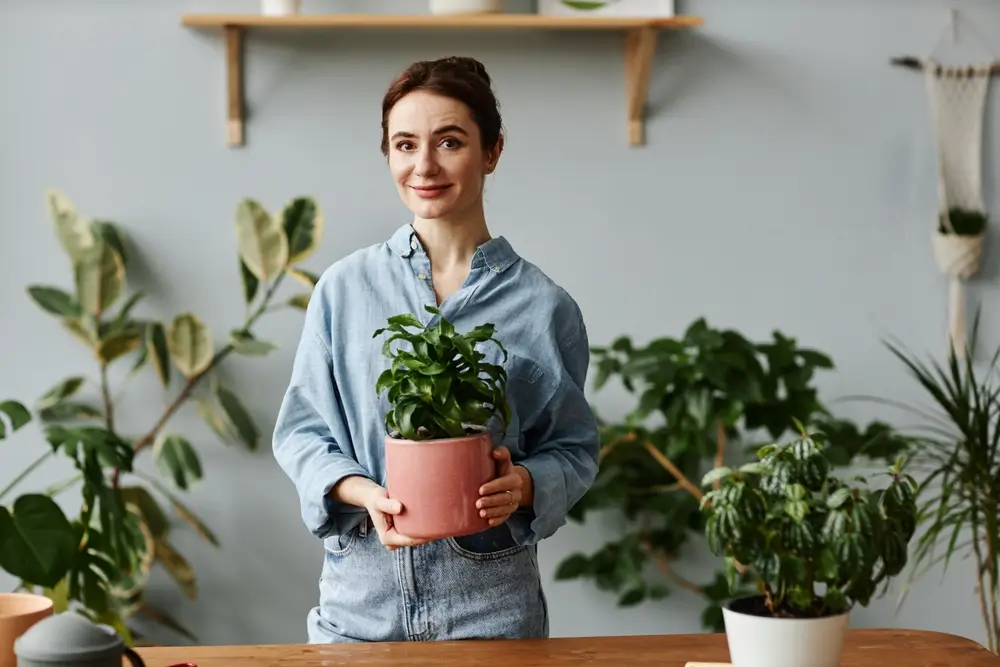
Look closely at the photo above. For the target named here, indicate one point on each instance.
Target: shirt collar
(496, 254)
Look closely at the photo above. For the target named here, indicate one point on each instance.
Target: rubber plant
(706, 397)
(98, 561)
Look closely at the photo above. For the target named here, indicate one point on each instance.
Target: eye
(404, 145)
(451, 142)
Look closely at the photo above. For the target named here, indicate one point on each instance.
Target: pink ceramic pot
(18, 612)
(437, 482)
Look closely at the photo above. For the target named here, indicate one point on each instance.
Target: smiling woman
(441, 135)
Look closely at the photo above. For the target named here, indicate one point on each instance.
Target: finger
(502, 456)
(501, 511)
(394, 538)
(499, 499)
(388, 505)
(510, 482)
(499, 520)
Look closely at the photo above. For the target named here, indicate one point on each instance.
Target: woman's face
(436, 156)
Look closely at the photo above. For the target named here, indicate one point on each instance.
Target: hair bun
(472, 66)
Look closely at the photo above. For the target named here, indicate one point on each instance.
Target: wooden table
(864, 648)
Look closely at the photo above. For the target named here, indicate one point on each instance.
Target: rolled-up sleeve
(311, 413)
(562, 447)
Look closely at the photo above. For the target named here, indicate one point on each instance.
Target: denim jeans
(482, 586)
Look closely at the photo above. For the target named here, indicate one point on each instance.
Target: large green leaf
(244, 343)
(75, 234)
(156, 340)
(37, 542)
(243, 424)
(177, 459)
(16, 414)
(55, 301)
(190, 344)
(100, 280)
(119, 344)
(261, 240)
(302, 220)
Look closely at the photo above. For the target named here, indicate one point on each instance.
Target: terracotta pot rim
(460, 438)
(43, 604)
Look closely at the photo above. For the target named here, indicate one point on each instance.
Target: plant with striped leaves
(816, 544)
(98, 562)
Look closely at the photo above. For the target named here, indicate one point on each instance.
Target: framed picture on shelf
(601, 8)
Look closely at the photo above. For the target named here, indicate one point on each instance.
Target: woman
(441, 133)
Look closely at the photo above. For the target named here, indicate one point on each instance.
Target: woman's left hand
(502, 496)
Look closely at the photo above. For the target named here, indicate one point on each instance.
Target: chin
(431, 210)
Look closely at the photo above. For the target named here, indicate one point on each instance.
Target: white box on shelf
(596, 9)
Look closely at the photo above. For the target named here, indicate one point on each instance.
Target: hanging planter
(957, 98)
(280, 7)
(466, 6)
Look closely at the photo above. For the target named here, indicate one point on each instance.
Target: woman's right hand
(382, 508)
(363, 492)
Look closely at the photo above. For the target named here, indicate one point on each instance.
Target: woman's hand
(382, 508)
(503, 495)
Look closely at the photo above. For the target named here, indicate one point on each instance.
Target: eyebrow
(441, 130)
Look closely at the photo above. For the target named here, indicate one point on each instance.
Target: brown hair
(459, 77)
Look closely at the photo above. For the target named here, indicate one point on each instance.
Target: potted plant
(815, 544)
(442, 392)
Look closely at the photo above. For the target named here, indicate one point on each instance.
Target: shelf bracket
(640, 46)
(235, 122)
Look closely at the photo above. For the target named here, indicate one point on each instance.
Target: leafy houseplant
(442, 392)
(959, 446)
(699, 397)
(815, 545)
(99, 561)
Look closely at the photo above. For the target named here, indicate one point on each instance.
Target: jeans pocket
(338, 546)
(491, 544)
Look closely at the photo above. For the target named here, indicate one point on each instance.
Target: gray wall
(788, 183)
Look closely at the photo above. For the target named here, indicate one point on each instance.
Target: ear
(493, 156)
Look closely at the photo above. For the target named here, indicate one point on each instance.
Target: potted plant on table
(442, 392)
(815, 544)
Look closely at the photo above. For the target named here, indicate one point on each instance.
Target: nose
(427, 164)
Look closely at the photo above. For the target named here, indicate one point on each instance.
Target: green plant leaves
(244, 343)
(177, 459)
(302, 221)
(55, 301)
(15, 415)
(238, 416)
(100, 279)
(190, 344)
(156, 340)
(37, 543)
(261, 240)
(74, 233)
(438, 384)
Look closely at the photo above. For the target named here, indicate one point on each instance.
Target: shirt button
(421, 276)
(413, 244)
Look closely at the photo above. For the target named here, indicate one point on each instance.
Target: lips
(429, 191)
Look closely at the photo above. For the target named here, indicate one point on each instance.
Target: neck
(450, 243)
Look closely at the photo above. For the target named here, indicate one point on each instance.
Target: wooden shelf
(640, 45)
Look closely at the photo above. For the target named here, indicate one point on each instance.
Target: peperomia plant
(439, 385)
(815, 544)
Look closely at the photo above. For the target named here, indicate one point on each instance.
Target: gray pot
(70, 640)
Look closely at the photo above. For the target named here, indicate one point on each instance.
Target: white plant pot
(466, 6)
(280, 7)
(760, 641)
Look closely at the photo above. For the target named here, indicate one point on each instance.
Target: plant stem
(720, 449)
(681, 478)
(109, 406)
(981, 568)
(24, 473)
(150, 437)
(56, 489)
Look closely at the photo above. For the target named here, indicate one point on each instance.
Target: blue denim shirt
(331, 422)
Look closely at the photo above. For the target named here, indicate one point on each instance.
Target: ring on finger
(512, 503)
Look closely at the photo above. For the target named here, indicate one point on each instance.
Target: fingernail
(482, 513)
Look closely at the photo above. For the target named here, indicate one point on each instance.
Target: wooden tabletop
(864, 648)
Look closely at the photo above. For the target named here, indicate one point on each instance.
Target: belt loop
(363, 529)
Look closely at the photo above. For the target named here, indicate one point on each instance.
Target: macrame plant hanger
(957, 97)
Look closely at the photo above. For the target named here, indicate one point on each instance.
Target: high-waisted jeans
(481, 586)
